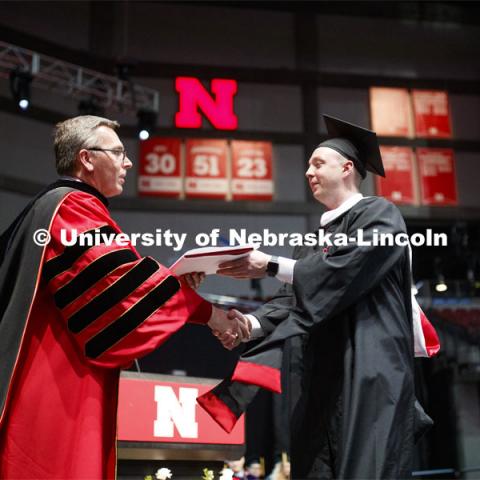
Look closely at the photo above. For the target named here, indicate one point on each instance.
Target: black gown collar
(7, 236)
(79, 185)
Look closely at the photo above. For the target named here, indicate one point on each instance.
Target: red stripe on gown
(218, 410)
(261, 375)
(432, 341)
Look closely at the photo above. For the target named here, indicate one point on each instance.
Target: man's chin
(317, 195)
(114, 193)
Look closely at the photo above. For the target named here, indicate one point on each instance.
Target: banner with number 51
(160, 172)
(252, 170)
(206, 168)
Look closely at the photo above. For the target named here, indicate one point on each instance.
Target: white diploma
(207, 259)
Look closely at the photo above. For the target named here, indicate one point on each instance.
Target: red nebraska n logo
(218, 107)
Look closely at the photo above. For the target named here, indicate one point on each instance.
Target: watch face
(272, 268)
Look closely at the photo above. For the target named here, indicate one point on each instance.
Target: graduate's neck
(336, 199)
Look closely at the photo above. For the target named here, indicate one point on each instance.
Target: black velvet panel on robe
(20, 266)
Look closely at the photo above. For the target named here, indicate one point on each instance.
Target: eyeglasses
(118, 152)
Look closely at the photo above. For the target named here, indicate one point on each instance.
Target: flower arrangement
(226, 474)
(160, 474)
(165, 474)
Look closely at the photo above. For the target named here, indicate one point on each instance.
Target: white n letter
(172, 410)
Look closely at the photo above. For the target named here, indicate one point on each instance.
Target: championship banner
(252, 170)
(432, 114)
(437, 176)
(391, 113)
(399, 184)
(155, 410)
(160, 172)
(206, 169)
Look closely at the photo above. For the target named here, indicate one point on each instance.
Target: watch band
(272, 266)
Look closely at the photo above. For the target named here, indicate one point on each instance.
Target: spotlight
(441, 286)
(143, 134)
(20, 87)
(146, 123)
(23, 104)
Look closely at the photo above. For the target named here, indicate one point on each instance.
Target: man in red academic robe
(72, 316)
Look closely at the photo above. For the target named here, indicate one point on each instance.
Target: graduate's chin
(317, 195)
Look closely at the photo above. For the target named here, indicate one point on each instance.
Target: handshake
(230, 328)
(233, 327)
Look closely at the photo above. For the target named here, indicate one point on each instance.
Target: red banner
(252, 170)
(160, 172)
(432, 113)
(391, 113)
(167, 411)
(437, 176)
(399, 184)
(206, 169)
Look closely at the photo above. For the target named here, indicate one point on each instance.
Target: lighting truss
(74, 81)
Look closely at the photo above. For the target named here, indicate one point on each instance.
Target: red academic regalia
(94, 310)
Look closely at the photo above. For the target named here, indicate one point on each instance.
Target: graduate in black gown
(355, 414)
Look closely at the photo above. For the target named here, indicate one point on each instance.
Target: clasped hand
(233, 327)
(253, 265)
(230, 328)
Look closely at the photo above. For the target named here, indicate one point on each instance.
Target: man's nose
(127, 163)
(309, 172)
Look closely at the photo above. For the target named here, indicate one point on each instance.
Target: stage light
(23, 104)
(143, 134)
(441, 286)
(146, 123)
(20, 87)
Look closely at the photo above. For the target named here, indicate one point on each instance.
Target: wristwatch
(272, 266)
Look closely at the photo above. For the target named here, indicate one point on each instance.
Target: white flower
(163, 474)
(226, 474)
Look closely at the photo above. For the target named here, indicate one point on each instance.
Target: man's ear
(84, 161)
(348, 168)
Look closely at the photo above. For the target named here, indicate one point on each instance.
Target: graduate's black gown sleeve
(326, 283)
(276, 310)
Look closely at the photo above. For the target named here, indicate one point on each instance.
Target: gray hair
(74, 134)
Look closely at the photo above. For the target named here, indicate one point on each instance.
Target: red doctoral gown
(93, 311)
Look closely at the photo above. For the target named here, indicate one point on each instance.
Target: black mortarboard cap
(355, 143)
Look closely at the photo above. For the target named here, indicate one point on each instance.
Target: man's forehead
(107, 134)
(323, 153)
